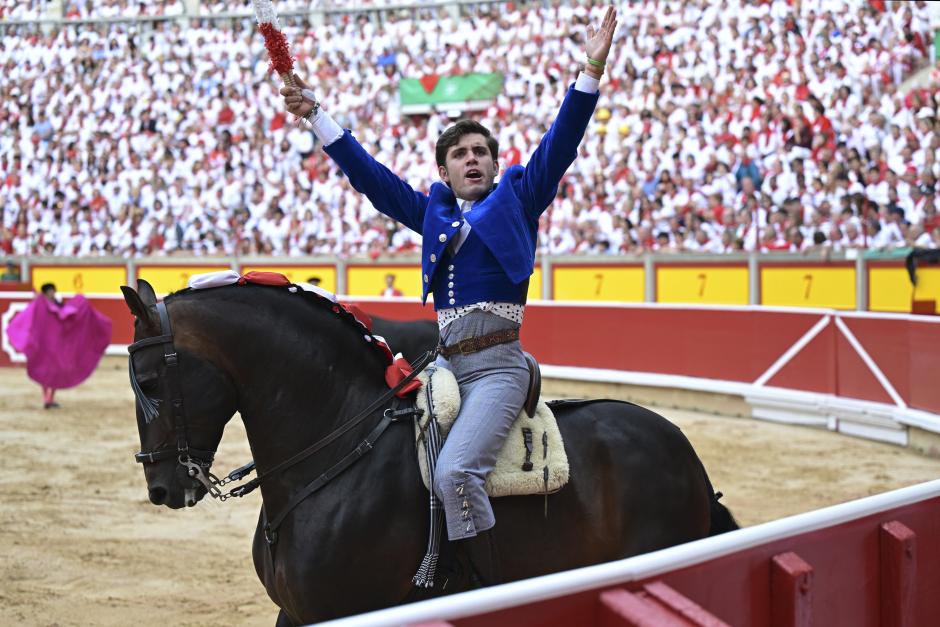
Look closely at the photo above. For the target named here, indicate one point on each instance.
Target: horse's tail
(721, 519)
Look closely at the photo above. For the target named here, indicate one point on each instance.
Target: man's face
(469, 168)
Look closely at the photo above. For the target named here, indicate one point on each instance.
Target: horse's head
(183, 399)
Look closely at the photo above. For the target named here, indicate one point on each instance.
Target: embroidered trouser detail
(466, 519)
(492, 389)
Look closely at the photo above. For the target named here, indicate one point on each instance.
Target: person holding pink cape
(63, 343)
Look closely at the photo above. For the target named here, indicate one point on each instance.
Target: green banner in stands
(445, 93)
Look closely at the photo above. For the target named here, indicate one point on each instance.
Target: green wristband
(595, 62)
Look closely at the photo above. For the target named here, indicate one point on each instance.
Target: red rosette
(278, 49)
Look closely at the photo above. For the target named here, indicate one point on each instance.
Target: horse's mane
(347, 314)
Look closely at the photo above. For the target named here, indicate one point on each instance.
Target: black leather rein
(197, 462)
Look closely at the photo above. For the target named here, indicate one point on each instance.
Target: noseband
(196, 461)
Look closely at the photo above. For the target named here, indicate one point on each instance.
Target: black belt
(470, 345)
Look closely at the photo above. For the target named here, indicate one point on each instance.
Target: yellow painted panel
(704, 284)
(928, 285)
(166, 279)
(370, 280)
(605, 283)
(82, 279)
(301, 274)
(808, 286)
(889, 289)
(535, 285)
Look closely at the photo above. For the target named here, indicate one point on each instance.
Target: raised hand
(295, 101)
(598, 42)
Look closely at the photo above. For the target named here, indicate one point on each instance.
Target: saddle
(533, 458)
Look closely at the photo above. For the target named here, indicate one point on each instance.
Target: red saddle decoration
(359, 314)
(264, 278)
(395, 373)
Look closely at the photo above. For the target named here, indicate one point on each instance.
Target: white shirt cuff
(586, 83)
(325, 127)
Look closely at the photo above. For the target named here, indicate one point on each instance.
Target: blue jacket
(473, 275)
(506, 219)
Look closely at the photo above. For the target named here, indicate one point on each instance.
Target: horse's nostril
(157, 495)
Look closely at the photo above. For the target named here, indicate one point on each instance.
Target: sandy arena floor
(82, 545)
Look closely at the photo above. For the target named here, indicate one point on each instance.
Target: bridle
(197, 462)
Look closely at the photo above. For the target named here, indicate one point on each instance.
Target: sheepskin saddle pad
(533, 459)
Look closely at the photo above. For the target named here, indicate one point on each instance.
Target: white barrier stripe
(887, 315)
(655, 379)
(579, 304)
(597, 577)
(917, 418)
(875, 370)
(791, 352)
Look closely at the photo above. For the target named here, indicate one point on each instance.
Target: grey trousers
(492, 385)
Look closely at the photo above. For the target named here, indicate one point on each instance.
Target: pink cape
(62, 343)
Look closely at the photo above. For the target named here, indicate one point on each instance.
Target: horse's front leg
(283, 620)
(264, 568)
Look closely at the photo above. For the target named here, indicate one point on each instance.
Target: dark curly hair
(452, 135)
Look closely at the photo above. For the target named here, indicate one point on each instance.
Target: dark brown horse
(412, 338)
(343, 529)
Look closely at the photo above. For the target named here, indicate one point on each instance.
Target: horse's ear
(140, 302)
(146, 293)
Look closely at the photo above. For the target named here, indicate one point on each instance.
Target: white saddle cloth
(549, 471)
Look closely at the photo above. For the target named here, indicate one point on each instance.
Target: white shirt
(461, 237)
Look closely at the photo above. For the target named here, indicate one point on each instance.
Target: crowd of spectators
(98, 9)
(722, 126)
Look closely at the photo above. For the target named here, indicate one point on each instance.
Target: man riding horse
(478, 251)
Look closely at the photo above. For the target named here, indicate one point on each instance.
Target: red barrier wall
(852, 575)
(843, 353)
(737, 344)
